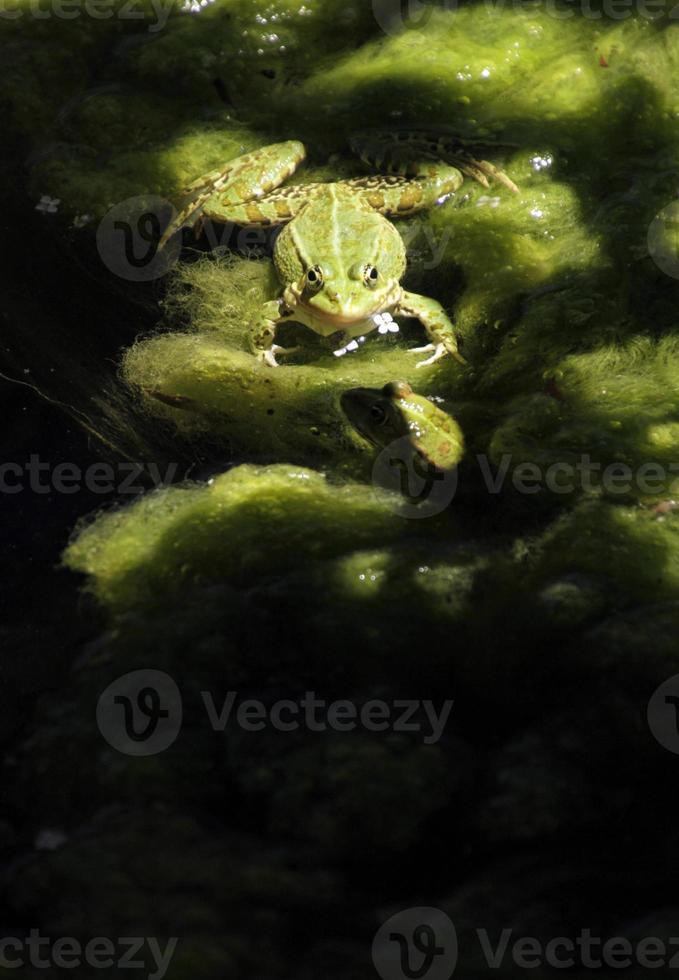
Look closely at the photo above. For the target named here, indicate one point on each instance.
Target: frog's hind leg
(405, 153)
(400, 196)
(248, 178)
(274, 209)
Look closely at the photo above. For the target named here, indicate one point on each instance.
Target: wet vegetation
(269, 567)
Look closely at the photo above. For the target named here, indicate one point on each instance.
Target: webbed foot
(268, 356)
(440, 350)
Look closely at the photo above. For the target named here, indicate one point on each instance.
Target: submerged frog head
(382, 415)
(340, 263)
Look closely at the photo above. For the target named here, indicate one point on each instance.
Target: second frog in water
(394, 412)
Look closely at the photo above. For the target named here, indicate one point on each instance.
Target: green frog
(384, 415)
(338, 257)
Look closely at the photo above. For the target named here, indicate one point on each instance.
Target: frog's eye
(314, 278)
(378, 414)
(370, 275)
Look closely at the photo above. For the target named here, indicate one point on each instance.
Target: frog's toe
(421, 350)
(269, 356)
(440, 351)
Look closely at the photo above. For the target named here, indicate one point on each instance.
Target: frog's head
(341, 263)
(382, 415)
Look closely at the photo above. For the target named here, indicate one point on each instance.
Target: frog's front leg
(264, 332)
(437, 324)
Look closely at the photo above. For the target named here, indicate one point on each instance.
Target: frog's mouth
(372, 318)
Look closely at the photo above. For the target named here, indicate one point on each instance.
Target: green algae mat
(531, 614)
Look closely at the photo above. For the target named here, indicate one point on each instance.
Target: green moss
(285, 573)
(479, 70)
(331, 781)
(635, 548)
(226, 396)
(610, 413)
(227, 529)
(566, 324)
(195, 883)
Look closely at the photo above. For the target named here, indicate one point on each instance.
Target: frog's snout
(342, 304)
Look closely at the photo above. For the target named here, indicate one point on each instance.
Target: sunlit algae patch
(566, 323)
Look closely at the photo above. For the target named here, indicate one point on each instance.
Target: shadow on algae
(549, 616)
